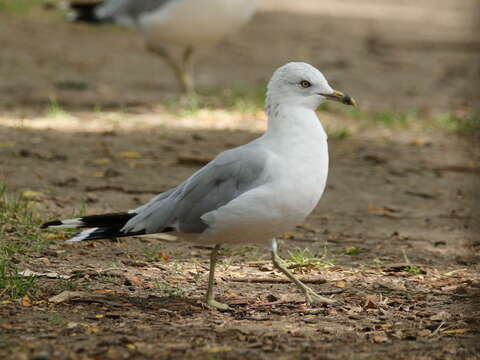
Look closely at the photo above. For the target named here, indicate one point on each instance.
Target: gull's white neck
(286, 121)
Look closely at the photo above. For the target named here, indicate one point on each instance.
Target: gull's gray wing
(228, 176)
(115, 9)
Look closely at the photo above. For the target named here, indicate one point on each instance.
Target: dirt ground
(395, 238)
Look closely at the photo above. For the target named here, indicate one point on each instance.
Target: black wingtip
(85, 12)
(51, 223)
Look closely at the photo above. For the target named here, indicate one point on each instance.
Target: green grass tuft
(246, 100)
(169, 290)
(19, 6)
(412, 269)
(464, 125)
(391, 118)
(56, 319)
(54, 109)
(353, 250)
(19, 236)
(19, 229)
(339, 134)
(12, 283)
(303, 259)
(152, 253)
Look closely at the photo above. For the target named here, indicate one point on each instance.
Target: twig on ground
(438, 328)
(313, 280)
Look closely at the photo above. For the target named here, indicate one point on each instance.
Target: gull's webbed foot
(218, 305)
(313, 298)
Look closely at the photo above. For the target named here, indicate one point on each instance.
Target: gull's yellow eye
(305, 84)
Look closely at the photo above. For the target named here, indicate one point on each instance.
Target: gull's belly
(192, 22)
(263, 213)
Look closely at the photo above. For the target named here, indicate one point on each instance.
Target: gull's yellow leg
(186, 78)
(310, 295)
(211, 280)
(183, 72)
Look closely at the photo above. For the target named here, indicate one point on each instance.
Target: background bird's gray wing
(128, 8)
(231, 174)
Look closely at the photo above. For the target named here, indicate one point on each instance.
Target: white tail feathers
(69, 223)
(81, 236)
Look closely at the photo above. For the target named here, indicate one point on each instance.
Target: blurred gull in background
(171, 23)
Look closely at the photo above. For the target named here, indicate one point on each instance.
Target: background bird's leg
(187, 73)
(178, 70)
(211, 280)
(310, 295)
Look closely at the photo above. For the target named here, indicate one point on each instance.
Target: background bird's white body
(193, 22)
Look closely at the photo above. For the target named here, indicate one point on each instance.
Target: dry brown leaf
(385, 326)
(133, 280)
(26, 301)
(340, 284)
(108, 291)
(370, 302)
(55, 236)
(165, 257)
(380, 338)
(384, 211)
(450, 288)
(93, 330)
(130, 154)
(424, 333)
(392, 284)
(420, 142)
(442, 315)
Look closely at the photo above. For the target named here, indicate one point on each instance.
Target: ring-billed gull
(179, 23)
(248, 194)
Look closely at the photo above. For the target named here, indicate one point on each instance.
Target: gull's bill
(340, 97)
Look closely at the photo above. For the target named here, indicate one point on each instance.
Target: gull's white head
(300, 84)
